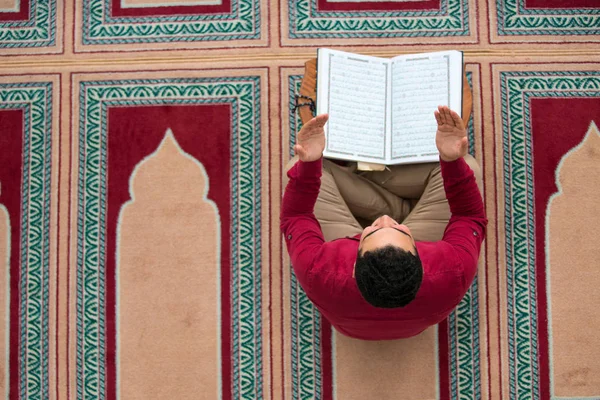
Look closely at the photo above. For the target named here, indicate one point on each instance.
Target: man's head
(388, 269)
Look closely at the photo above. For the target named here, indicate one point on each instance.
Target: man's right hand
(310, 142)
(451, 136)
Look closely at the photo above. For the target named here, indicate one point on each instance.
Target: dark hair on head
(388, 277)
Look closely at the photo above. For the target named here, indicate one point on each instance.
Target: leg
(366, 199)
(429, 218)
(331, 210)
(407, 181)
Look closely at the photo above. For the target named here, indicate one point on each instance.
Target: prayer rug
(554, 21)
(168, 184)
(28, 235)
(31, 26)
(548, 157)
(332, 367)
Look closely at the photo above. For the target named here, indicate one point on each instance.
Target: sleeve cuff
(454, 169)
(310, 169)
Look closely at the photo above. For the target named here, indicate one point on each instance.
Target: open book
(381, 110)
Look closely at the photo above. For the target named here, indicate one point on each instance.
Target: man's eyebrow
(377, 230)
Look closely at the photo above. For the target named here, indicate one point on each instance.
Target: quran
(381, 110)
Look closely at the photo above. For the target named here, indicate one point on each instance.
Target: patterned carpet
(141, 150)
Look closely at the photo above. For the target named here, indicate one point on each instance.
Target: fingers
(438, 119)
(457, 120)
(317, 122)
(322, 119)
(441, 111)
(447, 116)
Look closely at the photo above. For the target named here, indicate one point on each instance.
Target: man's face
(386, 231)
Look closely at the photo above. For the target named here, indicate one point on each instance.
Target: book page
(419, 84)
(355, 99)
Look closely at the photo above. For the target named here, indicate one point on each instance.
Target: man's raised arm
(466, 228)
(298, 224)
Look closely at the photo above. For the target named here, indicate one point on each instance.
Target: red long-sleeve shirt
(324, 269)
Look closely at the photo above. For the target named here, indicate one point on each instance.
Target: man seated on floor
(370, 276)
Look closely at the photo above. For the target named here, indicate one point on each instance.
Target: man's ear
(416, 251)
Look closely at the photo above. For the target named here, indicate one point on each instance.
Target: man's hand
(451, 136)
(310, 142)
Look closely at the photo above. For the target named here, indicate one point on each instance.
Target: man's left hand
(451, 136)
(310, 142)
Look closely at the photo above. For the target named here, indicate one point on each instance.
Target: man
(383, 282)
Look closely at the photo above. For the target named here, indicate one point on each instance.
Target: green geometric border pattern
(306, 345)
(243, 93)
(517, 89)
(515, 19)
(38, 31)
(35, 99)
(463, 323)
(243, 23)
(305, 318)
(305, 21)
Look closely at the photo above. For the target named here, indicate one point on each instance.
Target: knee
(288, 166)
(291, 163)
(472, 162)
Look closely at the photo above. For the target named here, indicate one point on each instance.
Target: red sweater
(324, 269)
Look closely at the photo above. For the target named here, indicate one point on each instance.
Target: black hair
(388, 277)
